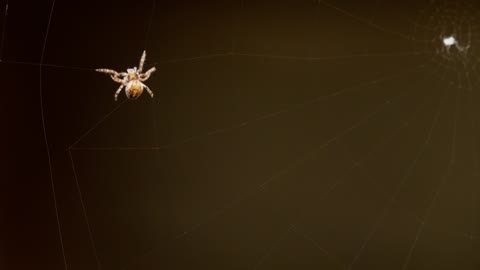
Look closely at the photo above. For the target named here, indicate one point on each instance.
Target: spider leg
(146, 75)
(118, 91)
(107, 71)
(142, 61)
(117, 79)
(112, 72)
(148, 90)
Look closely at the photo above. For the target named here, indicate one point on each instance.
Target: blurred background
(294, 134)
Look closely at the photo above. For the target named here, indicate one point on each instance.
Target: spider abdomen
(134, 89)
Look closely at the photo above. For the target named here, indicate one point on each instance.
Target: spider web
(321, 177)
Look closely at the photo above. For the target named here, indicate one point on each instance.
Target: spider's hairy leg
(118, 91)
(107, 71)
(117, 79)
(146, 75)
(148, 90)
(142, 61)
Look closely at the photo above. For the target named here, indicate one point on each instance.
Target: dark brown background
(283, 135)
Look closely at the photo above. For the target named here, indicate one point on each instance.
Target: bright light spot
(449, 41)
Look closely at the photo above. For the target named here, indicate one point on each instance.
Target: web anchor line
(49, 158)
(240, 54)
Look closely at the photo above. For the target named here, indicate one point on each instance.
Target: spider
(132, 80)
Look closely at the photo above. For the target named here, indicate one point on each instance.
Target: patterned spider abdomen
(134, 89)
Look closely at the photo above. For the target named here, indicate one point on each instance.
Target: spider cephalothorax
(132, 80)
